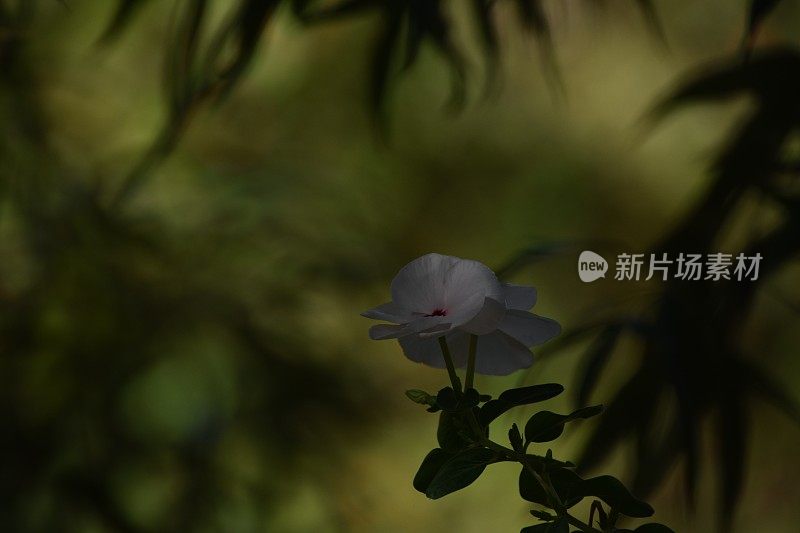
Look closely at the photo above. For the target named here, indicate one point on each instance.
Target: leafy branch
(465, 450)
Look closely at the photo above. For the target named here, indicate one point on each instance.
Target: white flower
(439, 295)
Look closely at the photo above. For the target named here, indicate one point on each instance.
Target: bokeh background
(192, 358)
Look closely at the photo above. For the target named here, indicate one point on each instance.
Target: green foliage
(557, 526)
(421, 397)
(430, 466)
(545, 426)
(459, 471)
(466, 449)
(516, 397)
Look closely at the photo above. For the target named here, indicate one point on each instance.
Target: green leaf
(459, 471)
(514, 397)
(515, 438)
(429, 468)
(613, 492)
(532, 394)
(563, 480)
(543, 515)
(420, 397)
(559, 526)
(545, 426)
(571, 489)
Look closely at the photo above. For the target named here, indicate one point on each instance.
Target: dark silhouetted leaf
(542, 515)
(613, 492)
(558, 526)
(515, 438)
(563, 480)
(459, 471)
(545, 426)
(429, 468)
(571, 489)
(531, 394)
(420, 397)
(514, 397)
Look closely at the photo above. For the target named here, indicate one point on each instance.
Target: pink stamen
(438, 312)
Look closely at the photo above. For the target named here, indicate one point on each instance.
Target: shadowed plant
(691, 334)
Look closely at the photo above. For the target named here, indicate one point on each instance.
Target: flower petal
(390, 312)
(519, 296)
(500, 355)
(420, 285)
(467, 285)
(487, 319)
(529, 329)
(394, 331)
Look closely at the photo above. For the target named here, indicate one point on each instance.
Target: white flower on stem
(439, 295)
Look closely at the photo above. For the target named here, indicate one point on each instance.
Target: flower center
(438, 312)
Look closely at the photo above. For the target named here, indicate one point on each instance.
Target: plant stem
(508, 453)
(448, 360)
(544, 482)
(473, 347)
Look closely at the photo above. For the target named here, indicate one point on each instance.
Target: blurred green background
(195, 360)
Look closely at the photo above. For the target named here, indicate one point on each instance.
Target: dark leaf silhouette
(430, 466)
(557, 526)
(545, 426)
(459, 471)
(516, 397)
(680, 354)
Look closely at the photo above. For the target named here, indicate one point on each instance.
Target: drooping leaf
(515, 438)
(571, 489)
(563, 480)
(514, 397)
(545, 426)
(459, 471)
(557, 526)
(544, 516)
(532, 393)
(613, 492)
(430, 466)
(420, 397)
